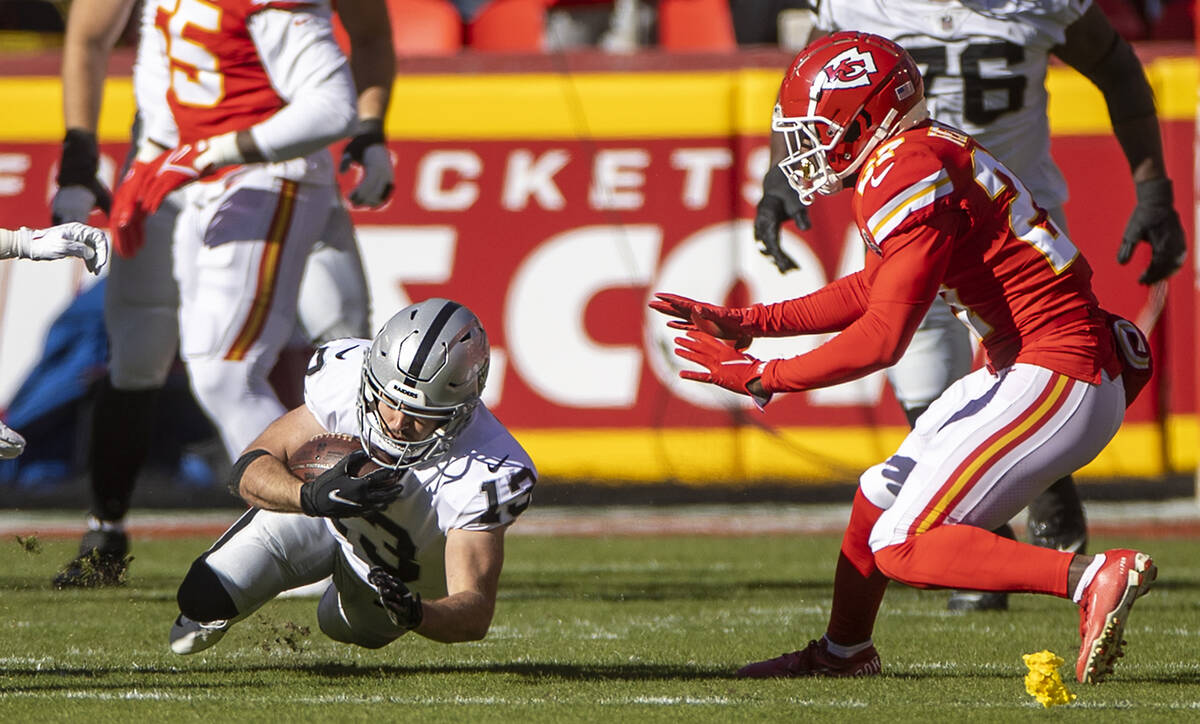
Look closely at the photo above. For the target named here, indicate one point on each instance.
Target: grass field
(588, 629)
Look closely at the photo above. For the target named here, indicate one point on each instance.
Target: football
(322, 452)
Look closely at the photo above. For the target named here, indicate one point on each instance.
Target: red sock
(858, 586)
(963, 556)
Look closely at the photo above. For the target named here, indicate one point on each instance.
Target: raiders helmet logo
(851, 68)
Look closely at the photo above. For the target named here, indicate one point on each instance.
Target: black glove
(338, 493)
(368, 149)
(80, 160)
(403, 605)
(779, 203)
(1155, 221)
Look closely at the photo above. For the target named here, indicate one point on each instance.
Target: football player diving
(415, 545)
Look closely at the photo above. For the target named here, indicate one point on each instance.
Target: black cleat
(1056, 519)
(103, 560)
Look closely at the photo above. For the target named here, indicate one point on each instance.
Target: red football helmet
(842, 95)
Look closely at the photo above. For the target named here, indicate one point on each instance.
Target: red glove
(722, 322)
(171, 170)
(127, 219)
(727, 367)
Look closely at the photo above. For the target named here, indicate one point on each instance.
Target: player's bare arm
(373, 66)
(93, 27)
(265, 481)
(372, 58)
(473, 562)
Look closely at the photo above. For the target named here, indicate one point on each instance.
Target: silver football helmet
(429, 361)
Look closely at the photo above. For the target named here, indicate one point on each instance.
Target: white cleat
(188, 636)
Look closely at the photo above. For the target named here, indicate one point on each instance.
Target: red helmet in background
(842, 95)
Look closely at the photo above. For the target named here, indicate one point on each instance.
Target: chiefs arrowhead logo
(849, 69)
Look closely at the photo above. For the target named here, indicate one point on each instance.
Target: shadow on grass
(123, 678)
(114, 678)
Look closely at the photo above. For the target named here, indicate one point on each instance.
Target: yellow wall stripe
(805, 455)
(553, 106)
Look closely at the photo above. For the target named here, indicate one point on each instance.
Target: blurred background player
(79, 240)
(940, 216)
(984, 66)
(416, 545)
(143, 315)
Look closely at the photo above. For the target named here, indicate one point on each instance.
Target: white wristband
(219, 151)
(15, 243)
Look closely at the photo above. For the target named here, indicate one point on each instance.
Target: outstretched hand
(726, 366)
(722, 322)
(72, 239)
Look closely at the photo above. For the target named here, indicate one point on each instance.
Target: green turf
(630, 629)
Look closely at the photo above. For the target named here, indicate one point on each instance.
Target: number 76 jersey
(984, 66)
(484, 481)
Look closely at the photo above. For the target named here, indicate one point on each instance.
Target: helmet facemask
(430, 363)
(392, 448)
(807, 166)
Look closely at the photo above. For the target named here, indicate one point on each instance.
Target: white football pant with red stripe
(987, 447)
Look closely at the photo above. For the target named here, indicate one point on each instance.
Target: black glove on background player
(77, 168)
(1155, 221)
(779, 203)
(338, 493)
(368, 149)
(403, 605)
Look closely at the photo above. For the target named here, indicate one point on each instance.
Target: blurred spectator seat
(509, 26)
(695, 25)
(425, 27)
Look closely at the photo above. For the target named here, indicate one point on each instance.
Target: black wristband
(80, 158)
(239, 469)
(1156, 191)
(372, 127)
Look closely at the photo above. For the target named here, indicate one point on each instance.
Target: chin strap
(890, 126)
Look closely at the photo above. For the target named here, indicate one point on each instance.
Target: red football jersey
(218, 82)
(943, 216)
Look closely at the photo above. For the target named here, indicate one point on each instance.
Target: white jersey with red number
(984, 64)
(218, 75)
(1013, 277)
(485, 480)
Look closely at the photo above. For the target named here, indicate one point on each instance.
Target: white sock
(845, 652)
(108, 526)
(1088, 574)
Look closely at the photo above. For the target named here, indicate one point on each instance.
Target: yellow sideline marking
(800, 455)
(552, 106)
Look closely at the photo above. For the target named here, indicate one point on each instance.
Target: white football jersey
(151, 78)
(984, 64)
(485, 480)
